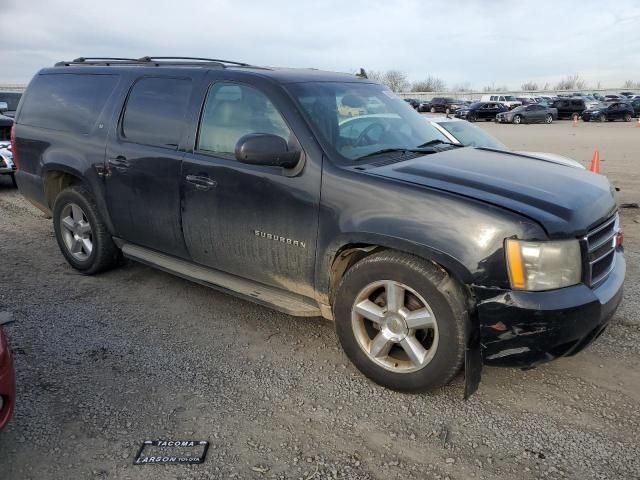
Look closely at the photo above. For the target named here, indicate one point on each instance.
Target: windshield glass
(354, 120)
(471, 136)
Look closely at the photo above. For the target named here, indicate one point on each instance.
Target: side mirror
(267, 150)
(3, 107)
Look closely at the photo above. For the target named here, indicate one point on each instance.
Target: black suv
(445, 105)
(568, 107)
(264, 183)
(610, 112)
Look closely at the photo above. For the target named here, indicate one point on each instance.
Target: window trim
(231, 156)
(119, 129)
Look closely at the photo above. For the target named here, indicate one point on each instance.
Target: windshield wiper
(438, 142)
(391, 150)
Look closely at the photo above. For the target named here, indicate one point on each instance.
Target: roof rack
(198, 59)
(152, 61)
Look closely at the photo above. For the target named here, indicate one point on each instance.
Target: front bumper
(524, 329)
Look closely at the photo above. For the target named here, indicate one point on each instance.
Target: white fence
(12, 87)
(515, 93)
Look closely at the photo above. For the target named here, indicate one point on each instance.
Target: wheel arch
(349, 252)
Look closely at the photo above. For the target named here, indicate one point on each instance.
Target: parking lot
(106, 362)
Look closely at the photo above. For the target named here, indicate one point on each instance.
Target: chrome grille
(601, 246)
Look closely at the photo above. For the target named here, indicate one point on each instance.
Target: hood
(552, 157)
(565, 201)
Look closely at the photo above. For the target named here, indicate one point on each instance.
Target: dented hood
(565, 201)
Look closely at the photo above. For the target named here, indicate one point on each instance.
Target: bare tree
(546, 86)
(529, 86)
(461, 87)
(631, 84)
(394, 79)
(572, 82)
(429, 84)
(495, 88)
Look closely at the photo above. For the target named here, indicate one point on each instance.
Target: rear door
(143, 163)
(257, 222)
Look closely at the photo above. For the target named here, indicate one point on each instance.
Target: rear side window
(67, 102)
(155, 111)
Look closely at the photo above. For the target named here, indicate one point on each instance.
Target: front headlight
(547, 265)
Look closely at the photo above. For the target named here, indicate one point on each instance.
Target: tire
(627, 117)
(447, 111)
(75, 220)
(433, 109)
(440, 349)
(602, 118)
(548, 119)
(517, 119)
(13, 180)
(471, 118)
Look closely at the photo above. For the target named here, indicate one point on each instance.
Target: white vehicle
(7, 167)
(465, 133)
(509, 100)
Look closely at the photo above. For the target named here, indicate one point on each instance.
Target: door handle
(119, 163)
(201, 183)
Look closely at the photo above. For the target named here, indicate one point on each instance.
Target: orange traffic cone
(575, 121)
(595, 162)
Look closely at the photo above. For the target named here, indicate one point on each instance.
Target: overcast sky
(477, 43)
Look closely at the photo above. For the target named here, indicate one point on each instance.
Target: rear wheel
(433, 109)
(82, 236)
(517, 119)
(400, 320)
(548, 118)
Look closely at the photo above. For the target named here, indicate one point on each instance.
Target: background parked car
(445, 104)
(425, 106)
(7, 381)
(413, 102)
(534, 113)
(481, 111)
(7, 167)
(509, 100)
(635, 104)
(5, 126)
(568, 107)
(11, 99)
(610, 112)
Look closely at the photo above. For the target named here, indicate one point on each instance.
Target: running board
(272, 297)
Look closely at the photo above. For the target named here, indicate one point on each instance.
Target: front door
(258, 222)
(143, 164)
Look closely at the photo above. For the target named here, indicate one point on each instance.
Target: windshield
(471, 136)
(354, 120)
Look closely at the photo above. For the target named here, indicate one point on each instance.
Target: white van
(508, 100)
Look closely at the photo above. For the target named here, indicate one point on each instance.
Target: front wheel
(627, 117)
(602, 118)
(548, 118)
(517, 119)
(471, 117)
(82, 236)
(433, 109)
(400, 320)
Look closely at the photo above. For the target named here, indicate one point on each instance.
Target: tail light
(14, 150)
(4, 350)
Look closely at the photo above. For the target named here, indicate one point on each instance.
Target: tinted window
(66, 101)
(155, 111)
(232, 111)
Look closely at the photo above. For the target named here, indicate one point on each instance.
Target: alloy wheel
(394, 326)
(548, 118)
(76, 232)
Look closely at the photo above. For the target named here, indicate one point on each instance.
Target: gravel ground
(106, 362)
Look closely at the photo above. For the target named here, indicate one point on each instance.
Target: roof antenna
(362, 73)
